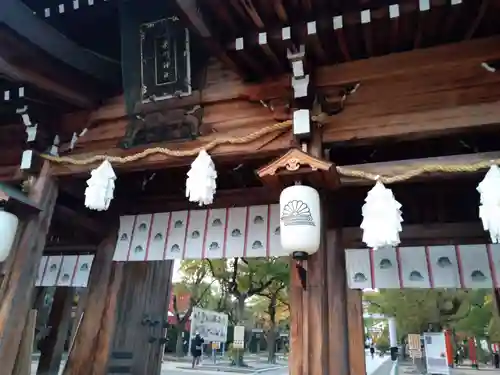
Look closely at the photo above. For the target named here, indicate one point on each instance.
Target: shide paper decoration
(101, 186)
(381, 218)
(489, 208)
(200, 183)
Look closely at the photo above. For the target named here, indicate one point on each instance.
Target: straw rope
(408, 174)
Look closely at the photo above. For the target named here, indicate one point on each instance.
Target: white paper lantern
(300, 220)
(8, 229)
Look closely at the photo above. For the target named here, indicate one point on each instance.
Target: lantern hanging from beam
(489, 208)
(381, 218)
(300, 221)
(8, 229)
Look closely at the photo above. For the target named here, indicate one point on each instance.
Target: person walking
(372, 350)
(196, 349)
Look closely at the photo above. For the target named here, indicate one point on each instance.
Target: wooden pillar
(142, 309)
(326, 318)
(18, 282)
(53, 345)
(356, 332)
(90, 351)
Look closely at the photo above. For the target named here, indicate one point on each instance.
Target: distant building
(183, 302)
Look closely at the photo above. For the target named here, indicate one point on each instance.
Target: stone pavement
(375, 366)
(408, 368)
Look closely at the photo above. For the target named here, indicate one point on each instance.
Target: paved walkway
(374, 366)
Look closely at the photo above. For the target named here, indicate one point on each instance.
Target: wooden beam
(20, 74)
(435, 60)
(426, 234)
(394, 168)
(81, 220)
(17, 286)
(18, 17)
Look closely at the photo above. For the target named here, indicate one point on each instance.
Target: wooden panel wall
(141, 310)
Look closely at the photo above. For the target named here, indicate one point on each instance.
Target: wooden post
(90, 351)
(59, 319)
(23, 361)
(319, 322)
(18, 283)
(356, 332)
(142, 309)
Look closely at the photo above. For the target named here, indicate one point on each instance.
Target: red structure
(183, 301)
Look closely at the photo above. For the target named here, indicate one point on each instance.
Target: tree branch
(253, 291)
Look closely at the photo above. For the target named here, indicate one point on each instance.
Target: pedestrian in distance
(196, 349)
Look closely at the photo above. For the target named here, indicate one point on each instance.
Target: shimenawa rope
(410, 173)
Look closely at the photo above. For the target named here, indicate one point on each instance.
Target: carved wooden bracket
(164, 125)
(297, 165)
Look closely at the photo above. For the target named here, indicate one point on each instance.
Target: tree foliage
(195, 286)
(420, 310)
(243, 278)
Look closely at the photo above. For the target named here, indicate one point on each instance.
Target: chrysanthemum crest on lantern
(381, 218)
(489, 208)
(201, 180)
(100, 187)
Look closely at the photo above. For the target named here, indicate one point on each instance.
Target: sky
(176, 277)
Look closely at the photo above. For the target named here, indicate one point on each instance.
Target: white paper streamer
(381, 218)
(101, 186)
(200, 183)
(489, 207)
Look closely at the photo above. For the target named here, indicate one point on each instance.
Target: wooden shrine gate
(343, 96)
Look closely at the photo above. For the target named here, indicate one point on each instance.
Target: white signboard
(211, 325)
(435, 353)
(239, 337)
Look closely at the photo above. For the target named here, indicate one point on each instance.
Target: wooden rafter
(18, 17)
(62, 69)
(188, 11)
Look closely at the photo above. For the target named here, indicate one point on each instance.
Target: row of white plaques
(252, 231)
(67, 270)
(464, 266)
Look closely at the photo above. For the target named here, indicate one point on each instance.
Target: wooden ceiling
(255, 34)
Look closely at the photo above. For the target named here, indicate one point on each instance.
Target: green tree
(195, 285)
(420, 310)
(277, 302)
(243, 278)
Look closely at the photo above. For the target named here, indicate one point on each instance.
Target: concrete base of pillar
(394, 353)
